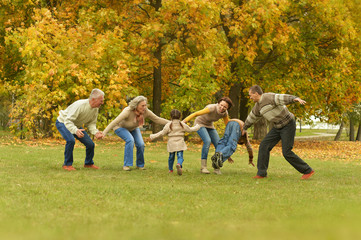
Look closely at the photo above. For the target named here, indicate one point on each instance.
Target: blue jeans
(131, 138)
(171, 159)
(287, 135)
(228, 143)
(70, 142)
(208, 136)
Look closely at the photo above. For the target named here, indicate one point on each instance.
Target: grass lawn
(39, 200)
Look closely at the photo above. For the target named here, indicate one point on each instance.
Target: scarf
(139, 118)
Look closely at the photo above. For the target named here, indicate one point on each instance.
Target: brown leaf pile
(323, 150)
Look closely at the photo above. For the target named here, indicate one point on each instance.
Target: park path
(315, 136)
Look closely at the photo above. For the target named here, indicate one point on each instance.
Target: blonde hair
(135, 102)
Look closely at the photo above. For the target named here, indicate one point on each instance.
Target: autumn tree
(294, 47)
(62, 63)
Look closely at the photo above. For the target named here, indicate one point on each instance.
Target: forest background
(180, 54)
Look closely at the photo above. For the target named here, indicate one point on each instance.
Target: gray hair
(134, 103)
(96, 93)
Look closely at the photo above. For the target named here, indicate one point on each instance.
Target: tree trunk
(243, 108)
(260, 129)
(157, 88)
(240, 101)
(339, 132)
(157, 76)
(234, 93)
(352, 130)
(358, 137)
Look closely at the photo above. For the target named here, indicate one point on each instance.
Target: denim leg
(129, 145)
(208, 136)
(271, 139)
(288, 137)
(180, 159)
(227, 145)
(70, 142)
(89, 151)
(203, 133)
(139, 144)
(171, 161)
(214, 136)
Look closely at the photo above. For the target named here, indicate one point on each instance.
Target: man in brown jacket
(272, 107)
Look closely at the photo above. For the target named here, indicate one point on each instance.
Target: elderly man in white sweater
(70, 124)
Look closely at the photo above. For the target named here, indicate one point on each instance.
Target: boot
(217, 171)
(204, 166)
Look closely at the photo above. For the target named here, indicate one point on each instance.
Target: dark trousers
(70, 142)
(287, 135)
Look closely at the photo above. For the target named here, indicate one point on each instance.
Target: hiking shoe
(217, 160)
(308, 175)
(179, 169)
(69, 168)
(219, 156)
(258, 177)
(214, 161)
(91, 166)
(126, 168)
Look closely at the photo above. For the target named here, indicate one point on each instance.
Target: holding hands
(99, 135)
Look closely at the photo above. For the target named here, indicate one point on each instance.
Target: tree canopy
(179, 54)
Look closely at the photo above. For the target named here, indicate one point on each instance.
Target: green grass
(39, 200)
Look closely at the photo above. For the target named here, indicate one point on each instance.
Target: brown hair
(175, 114)
(227, 100)
(256, 89)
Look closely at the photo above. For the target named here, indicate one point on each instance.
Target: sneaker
(141, 168)
(258, 177)
(126, 168)
(219, 156)
(91, 166)
(214, 161)
(308, 175)
(214, 165)
(170, 171)
(69, 168)
(179, 169)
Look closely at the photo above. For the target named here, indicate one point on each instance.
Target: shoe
(258, 177)
(126, 168)
(220, 160)
(204, 166)
(205, 171)
(69, 168)
(217, 171)
(141, 168)
(215, 162)
(91, 166)
(170, 171)
(179, 169)
(308, 175)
